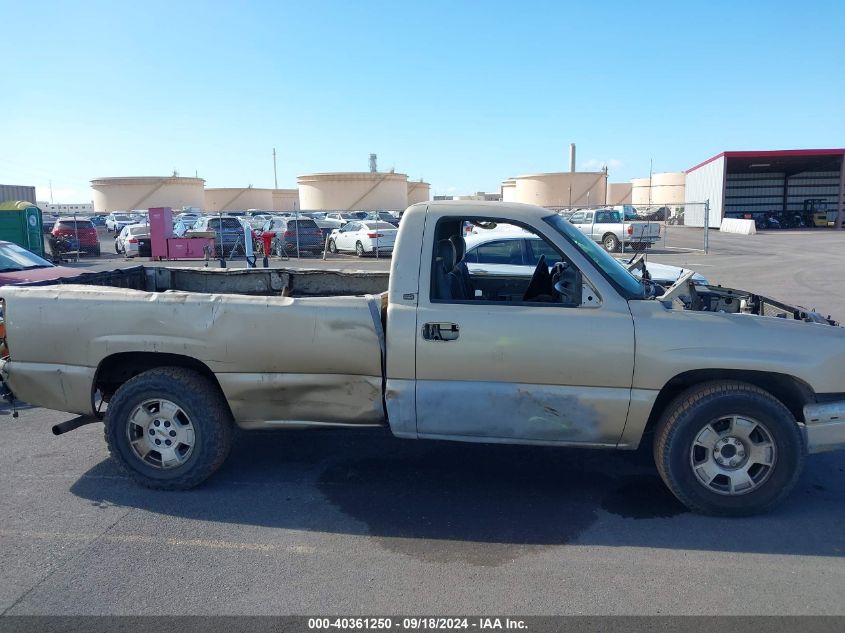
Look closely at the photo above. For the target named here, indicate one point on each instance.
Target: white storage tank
(143, 192)
(618, 193)
(640, 189)
(418, 191)
(559, 189)
(366, 191)
(285, 200)
(662, 189)
(509, 191)
(667, 188)
(238, 199)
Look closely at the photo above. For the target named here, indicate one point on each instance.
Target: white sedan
(512, 251)
(126, 242)
(363, 237)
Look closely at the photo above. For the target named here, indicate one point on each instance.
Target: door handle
(441, 331)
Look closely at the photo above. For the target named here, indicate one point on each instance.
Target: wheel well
(609, 234)
(792, 392)
(116, 369)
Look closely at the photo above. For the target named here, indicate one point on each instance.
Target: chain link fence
(654, 228)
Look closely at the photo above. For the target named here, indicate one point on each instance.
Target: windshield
(608, 266)
(14, 257)
(122, 218)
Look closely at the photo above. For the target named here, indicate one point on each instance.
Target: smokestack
(572, 157)
(373, 167)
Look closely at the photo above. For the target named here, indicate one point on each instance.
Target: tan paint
(559, 189)
(322, 336)
(618, 193)
(662, 189)
(285, 199)
(128, 193)
(353, 190)
(238, 199)
(418, 191)
(561, 375)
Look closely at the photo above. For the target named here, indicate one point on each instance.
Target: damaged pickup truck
(730, 390)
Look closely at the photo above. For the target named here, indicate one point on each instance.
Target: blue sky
(461, 93)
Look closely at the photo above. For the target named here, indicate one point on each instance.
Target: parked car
(729, 391)
(364, 237)
(116, 221)
(17, 265)
(127, 241)
(98, 220)
(48, 221)
(82, 230)
(339, 219)
(229, 232)
(512, 251)
(612, 228)
(383, 216)
(288, 233)
(188, 219)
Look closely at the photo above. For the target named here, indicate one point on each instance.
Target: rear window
(228, 224)
(138, 230)
(74, 224)
(303, 224)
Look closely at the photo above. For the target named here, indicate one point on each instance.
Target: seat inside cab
(506, 263)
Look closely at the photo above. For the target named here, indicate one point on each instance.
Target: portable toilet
(20, 222)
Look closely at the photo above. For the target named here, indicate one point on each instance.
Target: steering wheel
(541, 281)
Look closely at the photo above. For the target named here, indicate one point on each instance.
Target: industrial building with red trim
(803, 185)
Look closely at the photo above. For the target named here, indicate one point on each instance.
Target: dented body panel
(298, 347)
(323, 365)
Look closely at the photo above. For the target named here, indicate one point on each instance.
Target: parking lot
(358, 522)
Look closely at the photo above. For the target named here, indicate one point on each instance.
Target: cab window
(499, 252)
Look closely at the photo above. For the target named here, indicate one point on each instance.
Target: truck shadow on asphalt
(485, 503)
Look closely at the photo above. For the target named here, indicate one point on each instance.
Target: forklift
(815, 212)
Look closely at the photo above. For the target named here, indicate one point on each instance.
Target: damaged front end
(706, 298)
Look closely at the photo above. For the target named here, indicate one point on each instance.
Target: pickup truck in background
(730, 390)
(613, 228)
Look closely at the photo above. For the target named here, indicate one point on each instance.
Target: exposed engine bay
(704, 298)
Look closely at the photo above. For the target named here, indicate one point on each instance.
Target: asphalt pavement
(358, 522)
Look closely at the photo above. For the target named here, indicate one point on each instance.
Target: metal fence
(674, 235)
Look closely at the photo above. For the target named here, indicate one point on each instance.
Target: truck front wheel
(169, 428)
(610, 243)
(728, 448)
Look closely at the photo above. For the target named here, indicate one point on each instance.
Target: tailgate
(645, 230)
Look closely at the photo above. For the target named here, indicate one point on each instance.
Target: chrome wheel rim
(160, 434)
(733, 455)
(610, 244)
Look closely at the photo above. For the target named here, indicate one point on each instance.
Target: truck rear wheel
(610, 243)
(728, 448)
(169, 428)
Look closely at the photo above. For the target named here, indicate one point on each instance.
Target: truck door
(509, 367)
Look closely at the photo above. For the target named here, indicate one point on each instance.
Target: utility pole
(275, 177)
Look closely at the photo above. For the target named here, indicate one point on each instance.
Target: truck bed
(286, 346)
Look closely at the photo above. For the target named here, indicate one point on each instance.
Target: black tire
(610, 243)
(97, 252)
(359, 249)
(199, 398)
(695, 409)
(116, 248)
(332, 247)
